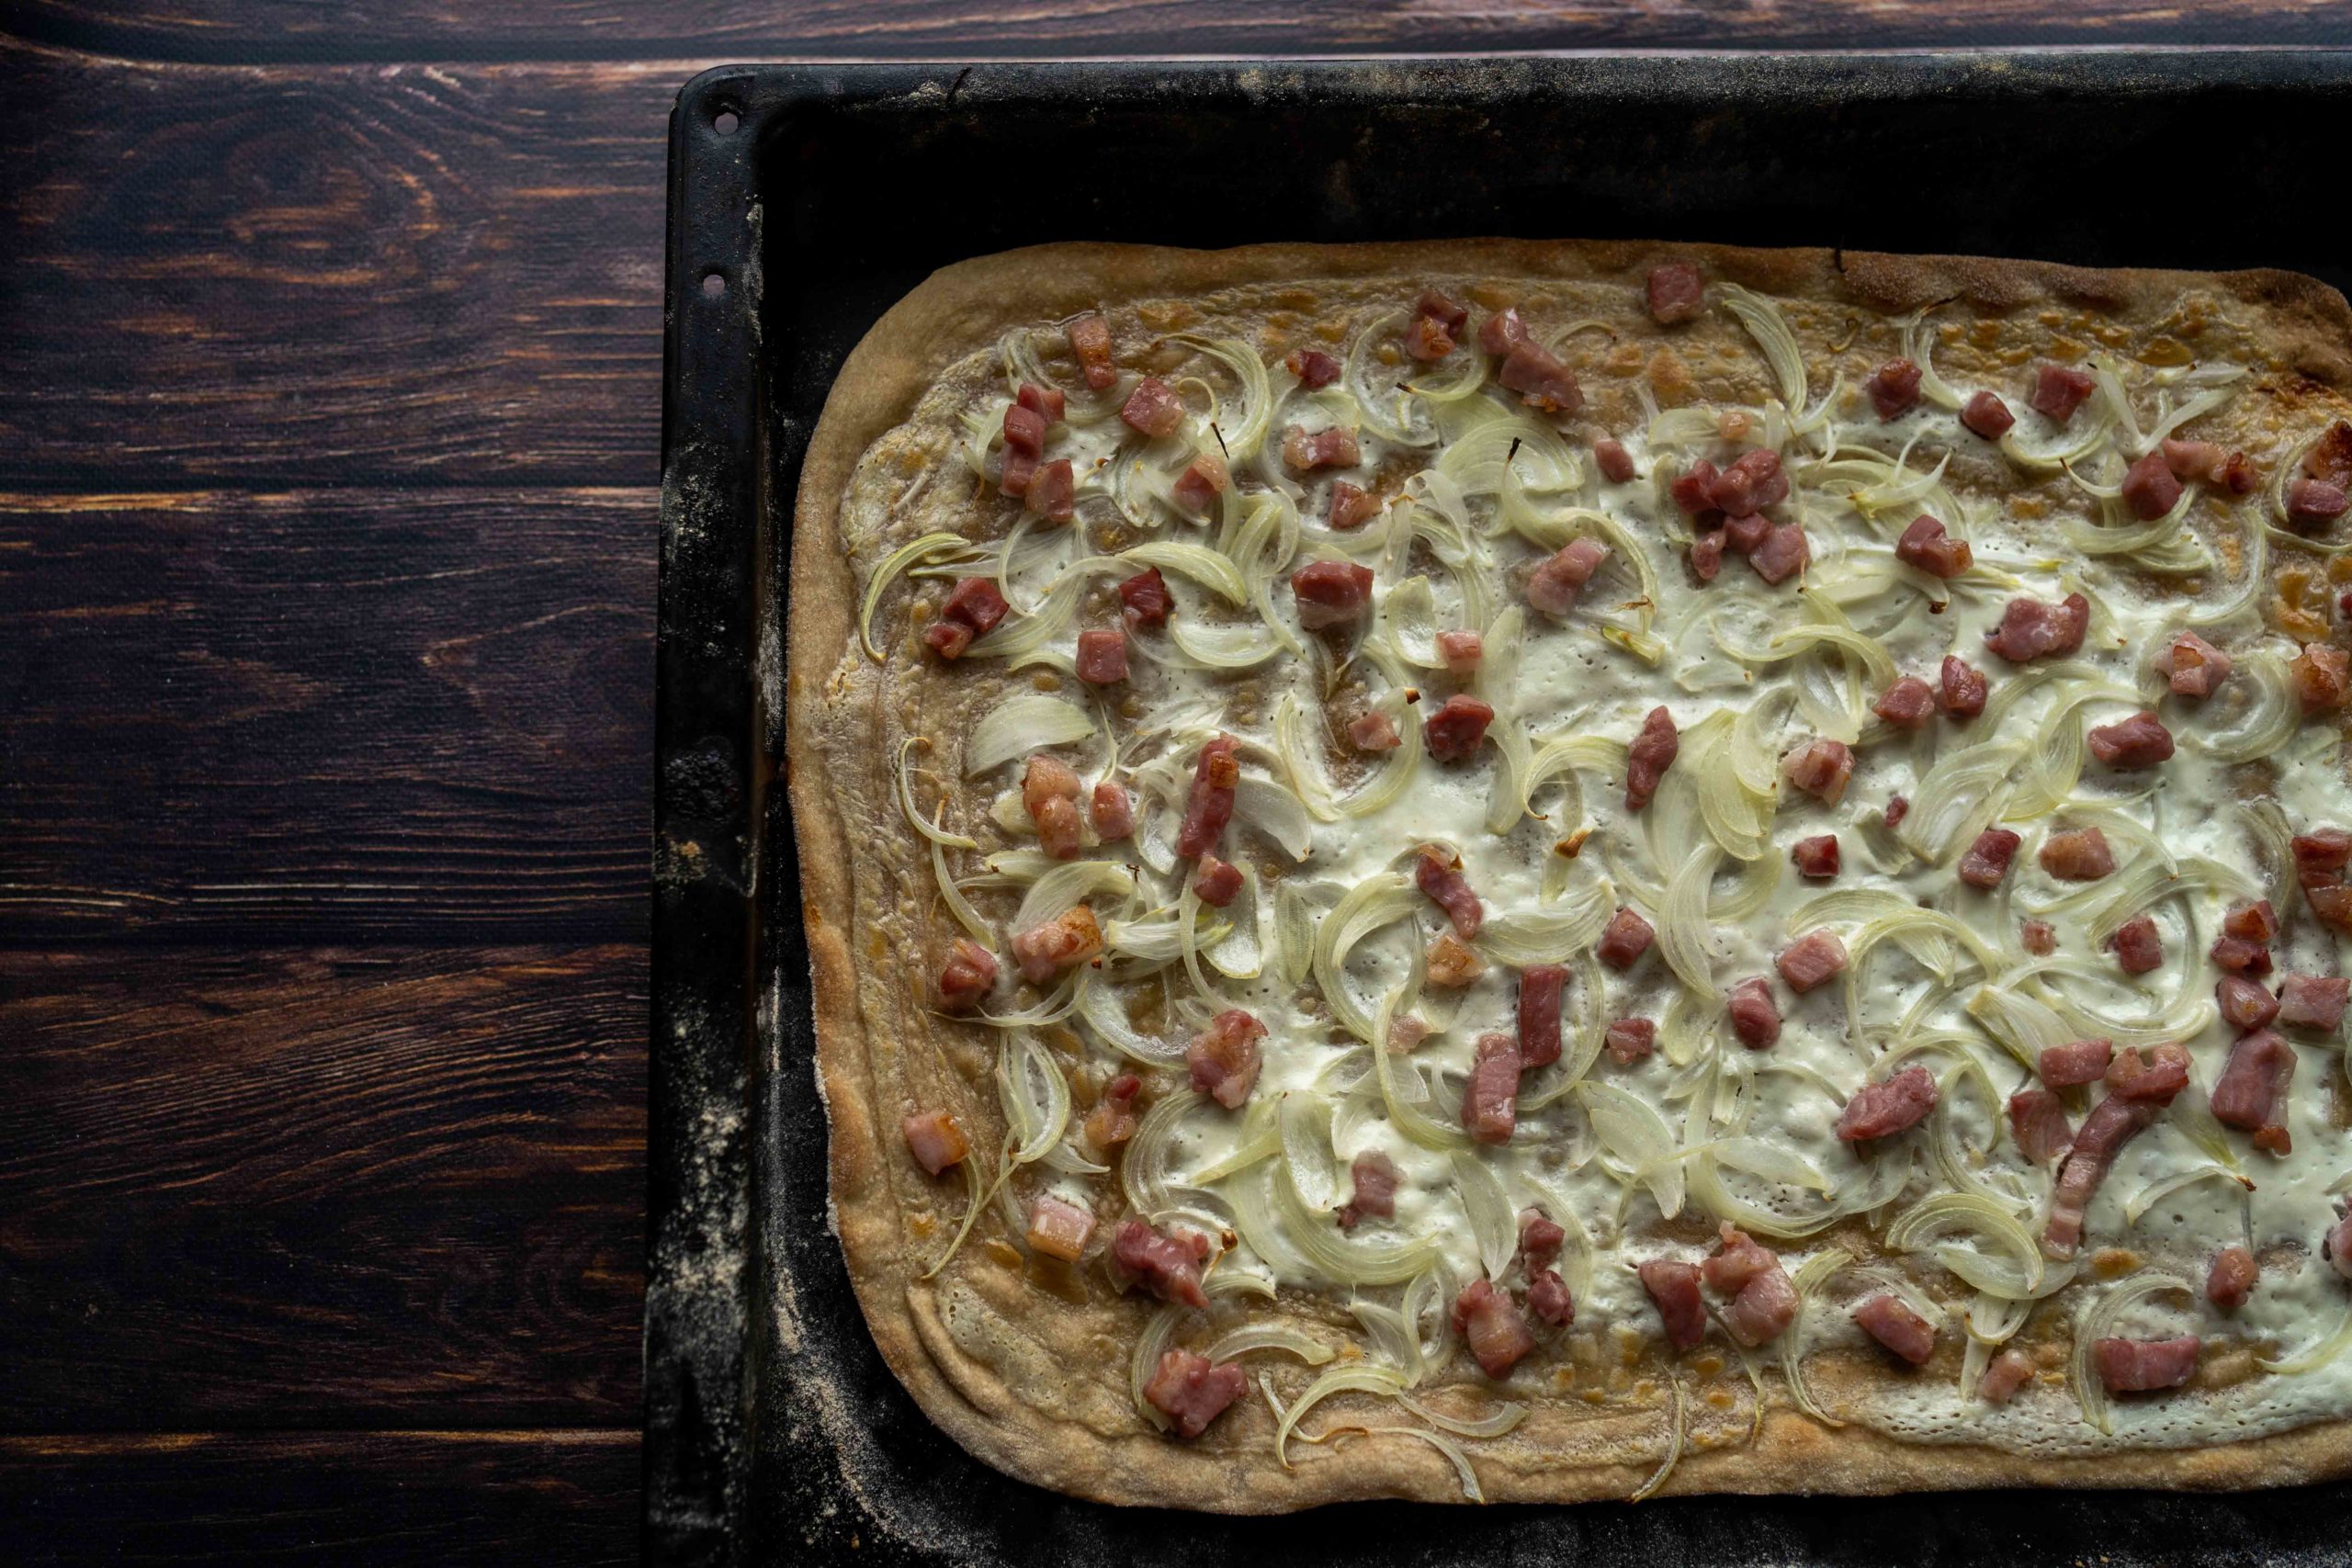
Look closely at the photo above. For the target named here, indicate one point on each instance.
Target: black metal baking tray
(805, 199)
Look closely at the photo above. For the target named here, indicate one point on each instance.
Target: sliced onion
(1763, 322)
(1067, 885)
(1958, 798)
(2099, 1317)
(1807, 1281)
(1021, 724)
(1682, 922)
(1551, 935)
(1304, 771)
(945, 546)
(1637, 1137)
(1493, 1223)
(952, 896)
(1983, 1219)
(1676, 1421)
(1369, 905)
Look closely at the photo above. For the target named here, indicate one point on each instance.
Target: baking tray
(805, 199)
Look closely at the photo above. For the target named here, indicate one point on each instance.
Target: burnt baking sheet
(805, 200)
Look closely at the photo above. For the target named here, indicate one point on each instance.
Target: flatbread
(1026, 1362)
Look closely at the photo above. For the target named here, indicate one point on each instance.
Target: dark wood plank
(339, 1499)
(302, 29)
(346, 275)
(321, 1188)
(311, 717)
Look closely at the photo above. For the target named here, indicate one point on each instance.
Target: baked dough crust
(1026, 1368)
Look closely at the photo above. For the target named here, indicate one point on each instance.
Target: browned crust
(1068, 1425)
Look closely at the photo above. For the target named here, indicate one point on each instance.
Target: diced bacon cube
(1103, 657)
(1898, 807)
(1811, 959)
(974, 603)
(1629, 1039)
(1654, 749)
(2321, 675)
(1314, 368)
(1435, 306)
(1555, 583)
(1502, 331)
(2312, 1001)
(1926, 544)
(1490, 1098)
(1089, 340)
(1755, 1015)
(1744, 534)
(935, 1139)
(1541, 987)
(1987, 415)
(1050, 793)
(2144, 1366)
(1060, 1228)
(2192, 665)
(2032, 629)
(1816, 857)
(1190, 1392)
(1331, 592)
(2039, 938)
(1624, 940)
(1169, 1266)
(1673, 1289)
(1203, 479)
(1964, 689)
(2314, 503)
(2154, 1077)
(1881, 1110)
(2149, 488)
(1461, 650)
(1894, 388)
(1045, 401)
(1753, 483)
(2251, 1092)
(2009, 1373)
(2059, 390)
(1782, 554)
(1224, 1059)
(1438, 873)
(2136, 947)
(1457, 727)
(1547, 1298)
(1061, 944)
(1025, 429)
(1676, 292)
(1542, 382)
(2330, 458)
(1694, 493)
(1453, 963)
(1616, 463)
(1153, 409)
(1820, 768)
(1987, 860)
(2245, 1005)
(1147, 600)
(1887, 1319)
(1332, 447)
(1372, 730)
(1763, 1301)
(2075, 1062)
(1052, 491)
(2231, 1278)
(2256, 921)
(1217, 883)
(1908, 704)
(2076, 854)
(1490, 1323)
(968, 976)
(1113, 812)
(2231, 471)
(1707, 555)
(2037, 1121)
(1374, 1177)
(1352, 507)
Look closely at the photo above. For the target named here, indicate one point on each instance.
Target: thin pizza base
(1030, 1373)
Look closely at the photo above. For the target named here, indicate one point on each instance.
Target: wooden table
(330, 337)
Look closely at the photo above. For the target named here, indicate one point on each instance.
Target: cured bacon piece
(1015, 471)
(1203, 479)
(1897, 809)
(1453, 964)
(2231, 1278)
(1547, 1298)
(2031, 628)
(1167, 1266)
(1461, 650)
(1964, 689)
(2337, 1246)
(2312, 1001)
(1439, 875)
(1437, 307)
(2004, 1377)
(2245, 1005)
(1987, 415)
(2322, 676)
(2251, 1093)
(1113, 1121)
(1427, 340)
(2144, 1366)
(1878, 1109)
(1554, 585)
(1542, 382)
(1887, 1319)
(1647, 760)
(1631, 1039)
(1217, 883)
(1820, 768)
(1314, 368)
(1060, 1228)
(1926, 544)
(973, 608)
(1755, 1015)
(2218, 466)
(1050, 793)
(1456, 730)
(1374, 1177)
(1025, 429)
(1624, 940)
(1816, 858)
(1372, 730)
(2136, 945)
(1782, 554)
(1751, 483)
(2313, 503)
(1211, 806)
(2320, 854)
(1541, 987)
(1763, 1302)
(2193, 665)
(1894, 388)
(1147, 600)
(1307, 450)
(1103, 657)
(2330, 458)
(1061, 944)
(2149, 488)
(935, 1140)
(1190, 1392)
(1707, 555)
(2245, 932)
(1490, 1097)
(1113, 812)
(1674, 1290)
(968, 975)
(1153, 409)
(1488, 1320)
(2140, 741)
(1540, 1240)
(1052, 493)
(2256, 921)
(1987, 860)
(1352, 507)
(2158, 1075)
(1406, 1031)
(2076, 1062)
(2037, 1121)
(2078, 855)
(1616, 464)
(1089, 340)
(1694, 493)
(1331, 592)
(2039, 938)
(1811, 959)
(1224, 1057)
(2059, 390)
(1908, 704)
(1046, 402)
(1744, 534)
(1676, 292)
(2111, 1124)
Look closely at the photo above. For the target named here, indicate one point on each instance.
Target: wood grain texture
(353, 274)
(315, 716)
(321, 1188)
(333, 1499)
(441, 30)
